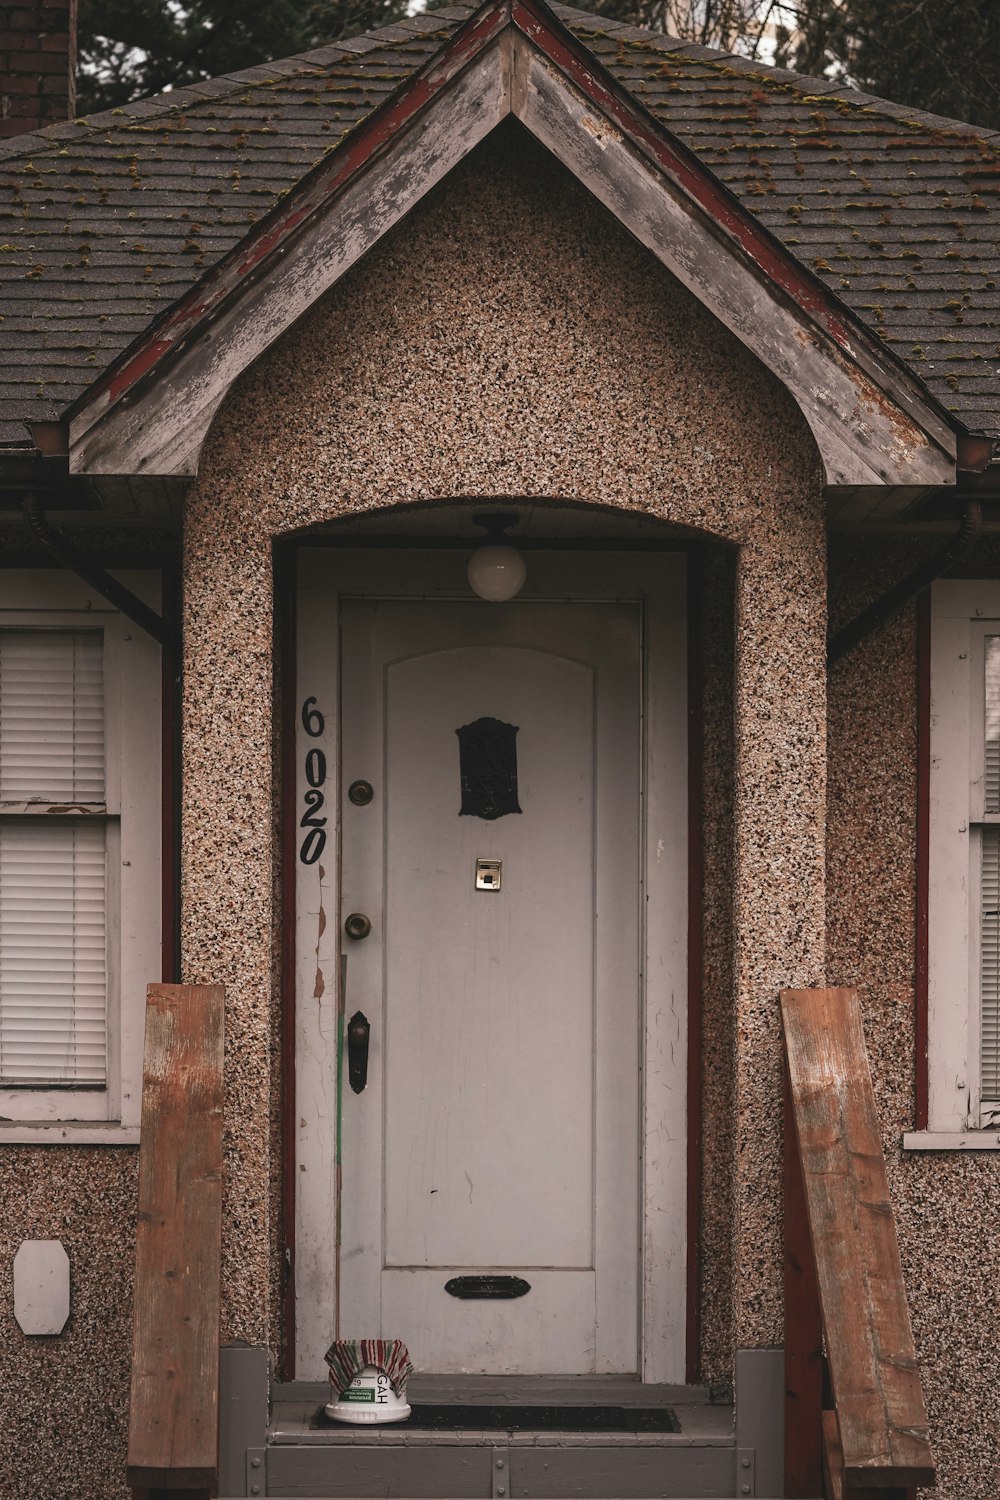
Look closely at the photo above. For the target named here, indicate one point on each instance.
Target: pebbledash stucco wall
(944, 1201)
(509, 338)
(65, 1399)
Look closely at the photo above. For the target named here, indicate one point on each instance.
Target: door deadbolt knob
(357, 925)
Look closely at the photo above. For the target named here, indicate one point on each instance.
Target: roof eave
(514, 57)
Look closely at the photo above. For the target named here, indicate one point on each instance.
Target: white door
(498, 1130)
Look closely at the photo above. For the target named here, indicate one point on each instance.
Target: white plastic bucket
(369, 1398)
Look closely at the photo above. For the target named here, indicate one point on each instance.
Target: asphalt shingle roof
(106, 221)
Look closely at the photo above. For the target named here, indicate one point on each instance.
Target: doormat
(505, 1418)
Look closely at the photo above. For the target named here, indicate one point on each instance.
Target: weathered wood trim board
(174, 1405)
(880, 1412)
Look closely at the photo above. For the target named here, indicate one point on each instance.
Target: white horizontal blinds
(989, 984)
(51, 716)
(991, 767)
(989, 885)
(53, 908)
(53, 966)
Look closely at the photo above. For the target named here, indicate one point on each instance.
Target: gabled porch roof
(873, 422)
(109, 218)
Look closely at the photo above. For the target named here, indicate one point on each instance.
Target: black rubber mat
(505, 1418)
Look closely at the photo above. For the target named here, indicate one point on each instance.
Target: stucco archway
(509, 338)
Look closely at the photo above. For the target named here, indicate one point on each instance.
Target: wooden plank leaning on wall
(874, 1442)
(174, 1405)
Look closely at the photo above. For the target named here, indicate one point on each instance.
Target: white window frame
(57, 600)
(963, 614)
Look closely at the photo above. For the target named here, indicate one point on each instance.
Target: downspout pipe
(96, 578)
(885, 608)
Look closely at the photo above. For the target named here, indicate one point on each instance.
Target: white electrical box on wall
(41, 1286)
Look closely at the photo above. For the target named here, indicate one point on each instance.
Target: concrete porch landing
(469, 1463)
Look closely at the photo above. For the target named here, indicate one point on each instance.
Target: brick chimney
(37, 64)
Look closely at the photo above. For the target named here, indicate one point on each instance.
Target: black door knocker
(488, 759)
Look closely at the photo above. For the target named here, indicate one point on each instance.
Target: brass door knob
(357, 925)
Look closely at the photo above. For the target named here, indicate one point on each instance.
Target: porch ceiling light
(496, 570)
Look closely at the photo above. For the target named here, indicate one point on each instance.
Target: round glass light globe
(496, 573)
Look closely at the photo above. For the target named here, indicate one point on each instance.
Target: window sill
(68, 1133)
(951, 1140)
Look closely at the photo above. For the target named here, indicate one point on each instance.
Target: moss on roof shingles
(106, 221)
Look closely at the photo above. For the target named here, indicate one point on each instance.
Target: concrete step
(470, 1463)
(464, 1473)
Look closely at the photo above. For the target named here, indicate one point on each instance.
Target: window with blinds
(53, 879)
(989, 884)
(963, 868)
(989, 966)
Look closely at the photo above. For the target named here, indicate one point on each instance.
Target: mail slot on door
(486, 1287)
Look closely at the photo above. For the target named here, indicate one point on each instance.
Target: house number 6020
(315, 768)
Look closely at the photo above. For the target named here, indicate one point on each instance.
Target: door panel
(489, 1074)
(499, 1128)
(549, 1329)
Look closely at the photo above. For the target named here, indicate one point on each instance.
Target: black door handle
(358, 1032)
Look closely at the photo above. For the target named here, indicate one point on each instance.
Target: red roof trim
(537, 23)
(379, 128)
(316, 187)
(559, 44)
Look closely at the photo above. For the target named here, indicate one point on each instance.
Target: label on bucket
(356, 1393)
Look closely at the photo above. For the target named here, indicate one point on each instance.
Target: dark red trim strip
(921, 996)
(170, 798)
(562, 48)
(695, 720)
(328, 178)
(285, 700)
(803, 1327)
(536, 22)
